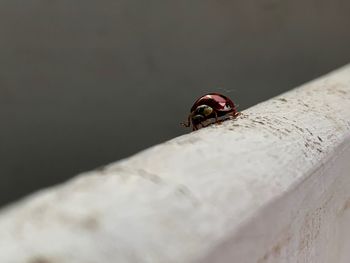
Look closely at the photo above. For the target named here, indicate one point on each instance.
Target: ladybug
(210, 108)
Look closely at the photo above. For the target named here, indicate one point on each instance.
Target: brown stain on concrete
(310, 229)
(149, 176)
(44, 216)
(41, 259)
(281, 127)
(90, 223)
(183, 191)
(312, 225)
(275, 250)
(282, 99)
(345, 207)
(185, 140)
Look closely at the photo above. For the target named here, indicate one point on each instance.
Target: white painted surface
(271, 186)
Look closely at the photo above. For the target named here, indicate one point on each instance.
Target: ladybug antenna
(226, 90)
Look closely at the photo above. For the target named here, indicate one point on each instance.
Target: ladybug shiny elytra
(210, 108)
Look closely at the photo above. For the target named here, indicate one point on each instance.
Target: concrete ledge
(270, 186)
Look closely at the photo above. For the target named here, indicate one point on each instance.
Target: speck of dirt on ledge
(40, 259)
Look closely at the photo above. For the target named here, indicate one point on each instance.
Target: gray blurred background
(84, 83)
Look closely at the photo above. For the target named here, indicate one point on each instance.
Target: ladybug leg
(216, 117)
(217, 121)
(188, 123)
(236, 114)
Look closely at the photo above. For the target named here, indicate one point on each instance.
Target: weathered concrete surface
(270, 186)
(74, 67)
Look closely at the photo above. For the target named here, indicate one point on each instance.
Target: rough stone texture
(270, 186)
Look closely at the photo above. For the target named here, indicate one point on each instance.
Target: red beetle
(210, 108)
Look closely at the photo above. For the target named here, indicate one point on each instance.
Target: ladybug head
(201, 113)
(210, 108)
